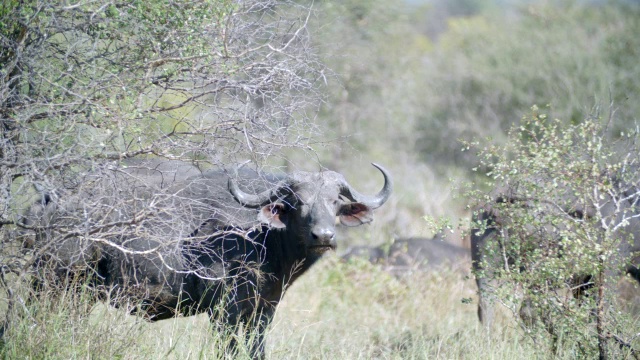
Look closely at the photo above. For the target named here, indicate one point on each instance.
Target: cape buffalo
(214, 243)
(405, 255)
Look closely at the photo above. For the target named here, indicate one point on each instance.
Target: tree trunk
(600, 313)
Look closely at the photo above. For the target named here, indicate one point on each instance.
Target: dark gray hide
(404, 256)
(191, 245)
(496, 220)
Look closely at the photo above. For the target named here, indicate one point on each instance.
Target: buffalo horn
(371, 201)
(256, 200)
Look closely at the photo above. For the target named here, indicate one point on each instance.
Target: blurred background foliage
(411, 79)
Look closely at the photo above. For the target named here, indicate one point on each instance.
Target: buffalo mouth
(321, 249)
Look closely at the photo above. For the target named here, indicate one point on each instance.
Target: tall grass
(71, 325)
(68, 326)
(337, 310)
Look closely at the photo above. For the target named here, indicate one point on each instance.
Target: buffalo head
(305, 205)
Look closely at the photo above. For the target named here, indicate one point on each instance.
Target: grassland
(338, 310)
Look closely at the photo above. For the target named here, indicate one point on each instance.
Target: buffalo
(217, 243)
(405, 255)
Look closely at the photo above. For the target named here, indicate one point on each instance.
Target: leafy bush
(563, 220)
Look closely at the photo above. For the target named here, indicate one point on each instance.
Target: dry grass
(357, 311)
(336, 311)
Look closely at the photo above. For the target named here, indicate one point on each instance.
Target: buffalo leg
(237, 322)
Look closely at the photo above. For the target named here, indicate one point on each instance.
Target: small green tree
(563, 219)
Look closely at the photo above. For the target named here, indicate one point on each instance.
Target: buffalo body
(224, 245)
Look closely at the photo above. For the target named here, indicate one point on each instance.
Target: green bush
(569, 211)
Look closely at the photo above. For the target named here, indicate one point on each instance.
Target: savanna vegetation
(434, 91)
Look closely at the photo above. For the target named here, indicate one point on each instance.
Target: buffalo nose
(324, 236)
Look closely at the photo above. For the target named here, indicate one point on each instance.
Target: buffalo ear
(273, 215)
(355, 214)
